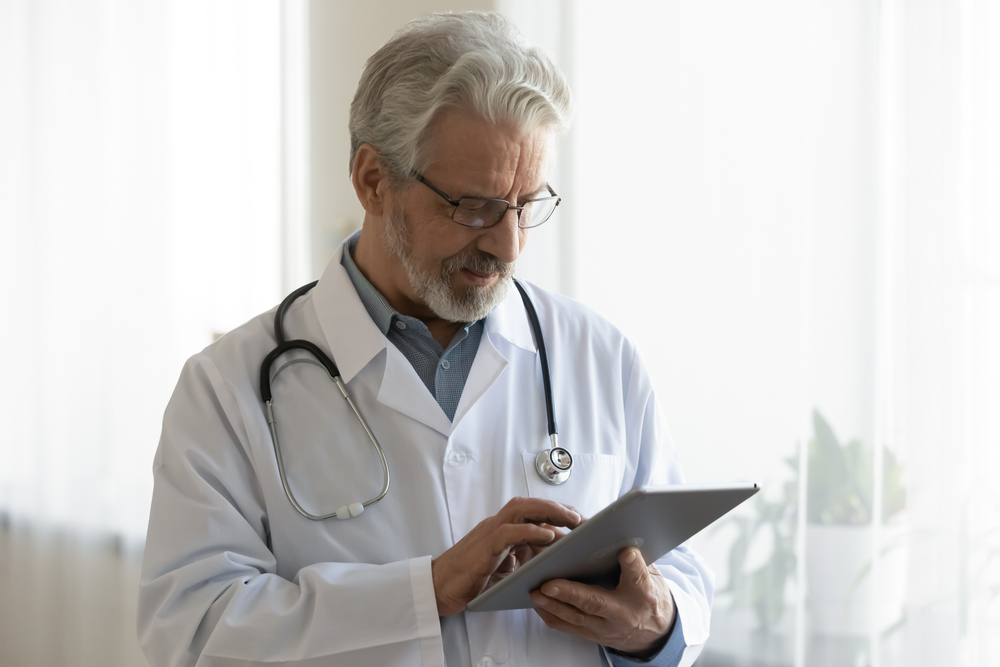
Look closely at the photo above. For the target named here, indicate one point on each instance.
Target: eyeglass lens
(488, 212)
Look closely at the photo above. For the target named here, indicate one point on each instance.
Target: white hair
(477, 62)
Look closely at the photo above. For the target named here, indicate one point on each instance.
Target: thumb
(635, 574)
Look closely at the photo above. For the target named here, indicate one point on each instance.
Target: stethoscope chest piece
(554, 465)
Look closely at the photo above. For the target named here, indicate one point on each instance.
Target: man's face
(461, 273)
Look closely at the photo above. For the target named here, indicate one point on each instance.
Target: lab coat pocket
(594, 484)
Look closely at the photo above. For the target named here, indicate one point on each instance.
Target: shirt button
(445, 364)
(456, 457)
(486, 661)
(400, 324)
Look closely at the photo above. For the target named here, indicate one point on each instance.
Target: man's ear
(370, 180)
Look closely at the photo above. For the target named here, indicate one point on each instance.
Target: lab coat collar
(509, 320)
(351, 335)
(354, 339)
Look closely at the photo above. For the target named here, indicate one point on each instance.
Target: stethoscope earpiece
(554, 465)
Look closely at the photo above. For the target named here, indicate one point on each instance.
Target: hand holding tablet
(636, 618)
(654, 519)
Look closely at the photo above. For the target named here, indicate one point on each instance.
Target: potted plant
(838, 538)
(839, 535)
(762, 558)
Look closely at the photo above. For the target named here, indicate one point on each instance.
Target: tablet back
(656, 519)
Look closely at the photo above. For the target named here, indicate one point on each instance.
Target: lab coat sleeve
(652, 459)
(209, 592)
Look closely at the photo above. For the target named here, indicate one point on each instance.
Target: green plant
(842, 480)
(763, 589)
(840, 491)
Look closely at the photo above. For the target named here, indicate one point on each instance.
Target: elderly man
(452, 131)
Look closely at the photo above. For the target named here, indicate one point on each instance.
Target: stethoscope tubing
(545, 462)
(536, 329)
(282, 347)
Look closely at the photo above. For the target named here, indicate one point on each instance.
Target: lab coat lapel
(508, 323)
(404, 391)
(487, 367)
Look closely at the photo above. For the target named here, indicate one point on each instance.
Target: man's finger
(591, 600)
(566, 612)
(539, 510)
(635, 573)
(514, 534)
(559, 533)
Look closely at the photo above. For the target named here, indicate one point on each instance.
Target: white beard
(438, 292)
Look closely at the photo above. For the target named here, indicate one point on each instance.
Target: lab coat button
(486, 661)
(456, 458)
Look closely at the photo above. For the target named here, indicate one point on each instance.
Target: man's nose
(503, 240)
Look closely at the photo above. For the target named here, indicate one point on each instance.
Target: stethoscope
(554, 465)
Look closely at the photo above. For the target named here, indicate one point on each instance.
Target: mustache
(480, 262)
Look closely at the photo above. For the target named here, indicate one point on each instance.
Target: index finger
(540, 510)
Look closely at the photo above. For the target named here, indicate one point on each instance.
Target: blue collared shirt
(444, 373)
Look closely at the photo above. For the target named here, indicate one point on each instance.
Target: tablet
(656, 519)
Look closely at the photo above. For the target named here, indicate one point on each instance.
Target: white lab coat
(234, 575)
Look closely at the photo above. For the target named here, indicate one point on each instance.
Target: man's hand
(635, 618)
(495, 548)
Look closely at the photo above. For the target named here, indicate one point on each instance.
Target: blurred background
(802, 196)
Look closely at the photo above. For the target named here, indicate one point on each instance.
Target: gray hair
(473, 61)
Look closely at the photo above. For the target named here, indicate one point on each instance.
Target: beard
(438, 291)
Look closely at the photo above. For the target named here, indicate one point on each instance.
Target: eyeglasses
(481, 212)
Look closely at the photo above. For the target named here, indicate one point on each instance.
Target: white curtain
(140, 205)
(795, 210)
(945, 406)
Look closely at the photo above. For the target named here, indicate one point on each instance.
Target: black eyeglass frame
(457, 203)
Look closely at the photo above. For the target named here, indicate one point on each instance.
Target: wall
(342, 37)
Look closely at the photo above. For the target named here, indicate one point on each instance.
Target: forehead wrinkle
(515, 159)
(535, 155)
(509, 182)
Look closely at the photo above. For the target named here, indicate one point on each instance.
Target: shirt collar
(378, 308)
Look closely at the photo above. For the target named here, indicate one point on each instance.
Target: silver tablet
(655, 519)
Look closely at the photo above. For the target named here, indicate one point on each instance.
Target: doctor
(436, 350)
